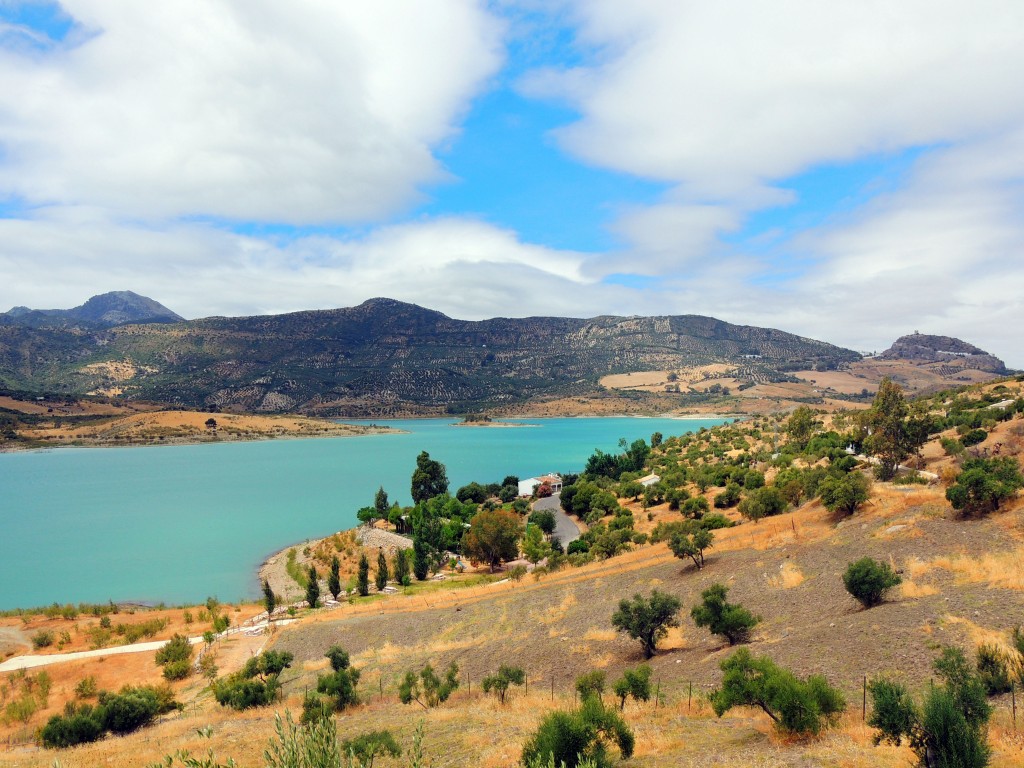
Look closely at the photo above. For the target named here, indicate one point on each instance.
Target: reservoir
(176, 524)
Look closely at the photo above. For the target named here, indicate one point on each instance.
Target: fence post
(1013, 698)
(689, 696)
(864, 701)
(657, 693)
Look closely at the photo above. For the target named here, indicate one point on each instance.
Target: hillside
(384, 357)
(962, 586)
(103, 311)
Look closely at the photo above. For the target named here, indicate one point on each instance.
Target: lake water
(179, 523)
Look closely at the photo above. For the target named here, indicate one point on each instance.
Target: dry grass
(1003, 570)
(789, 576)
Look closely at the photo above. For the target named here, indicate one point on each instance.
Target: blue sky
(847, 171)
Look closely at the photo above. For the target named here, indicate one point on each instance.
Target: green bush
(256, 684)
(844, 493)
(647, 619)
(501, 681)
(76, 726)
(795, 706)
(340, 684)
(571, 739)
(948, 730)
(733, 622)
(590, 683)
(993, 670)
(426, 688)
(867, 580)
(984, 484)
(635, 683)
(44, 638)
(177, 670)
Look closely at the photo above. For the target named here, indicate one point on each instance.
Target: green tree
(493, 537)
(543, 519)
(363, 577)
(269, 598)
(590, 683)
(420, 559)
(569, 738)
(535, 546)
(984, 484)
(334, 578)
(382, 571)
(733, 622)
(367, 746)
(312, 587)
(506, 676)
(380, 503)
(949, 729)
(795, 706)
(800, 425)
(891, 439)
(692, 545)
(867, 580)
(429, 479)
(339, 687)
(426, 688)
(762, 502)
(400, 567)
(175, 657)
(844, 493)
(647, 619)
(635, 683)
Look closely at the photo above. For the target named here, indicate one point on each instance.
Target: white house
(528, 486)
(649, 480)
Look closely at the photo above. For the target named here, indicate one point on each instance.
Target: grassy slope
(963, 585)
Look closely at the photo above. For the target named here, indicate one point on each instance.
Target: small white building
(528, 486)
(649, 480)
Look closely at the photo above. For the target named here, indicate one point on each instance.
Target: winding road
(565, 529)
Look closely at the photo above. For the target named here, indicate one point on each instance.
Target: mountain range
(380, 358)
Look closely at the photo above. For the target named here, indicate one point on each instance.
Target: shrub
(844, 493)
(733, 622)
(133, 708)
(692, 545)
(178, 648)
(984, 484)
(76, 726)
(993, 670)
(426, 688)
(590, 683)
(505, 677)
(729, 497)
(256, 684)
(341, 684)
(44, 638)
(177, 670)
(647, 619)
(86, 687)
(763, 502)
(367, 746)
(570, 738)
(635, 683)
(795, 706)
(867, 580)
(949, 728)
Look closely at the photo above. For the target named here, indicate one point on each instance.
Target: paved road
(565, 529)
(29, 661)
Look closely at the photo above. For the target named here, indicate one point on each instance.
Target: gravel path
(29, 661)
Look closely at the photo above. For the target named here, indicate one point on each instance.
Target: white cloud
(465, 267)
(307, 111)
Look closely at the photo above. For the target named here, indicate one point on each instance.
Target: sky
(850, 171)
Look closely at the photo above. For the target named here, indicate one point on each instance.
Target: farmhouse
(528, 486)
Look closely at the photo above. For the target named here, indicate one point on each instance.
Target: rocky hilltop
(385, 357)
(103, 311)
(943, 349)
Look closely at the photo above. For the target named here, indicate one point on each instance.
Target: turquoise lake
(175, 524)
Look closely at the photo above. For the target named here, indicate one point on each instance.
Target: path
(565, 529)
(29, 661)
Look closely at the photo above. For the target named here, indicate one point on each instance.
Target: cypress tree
(334, 578)
(269, 598)
(420, 560)
(382, 571)
(313, 587)
(363, 583)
